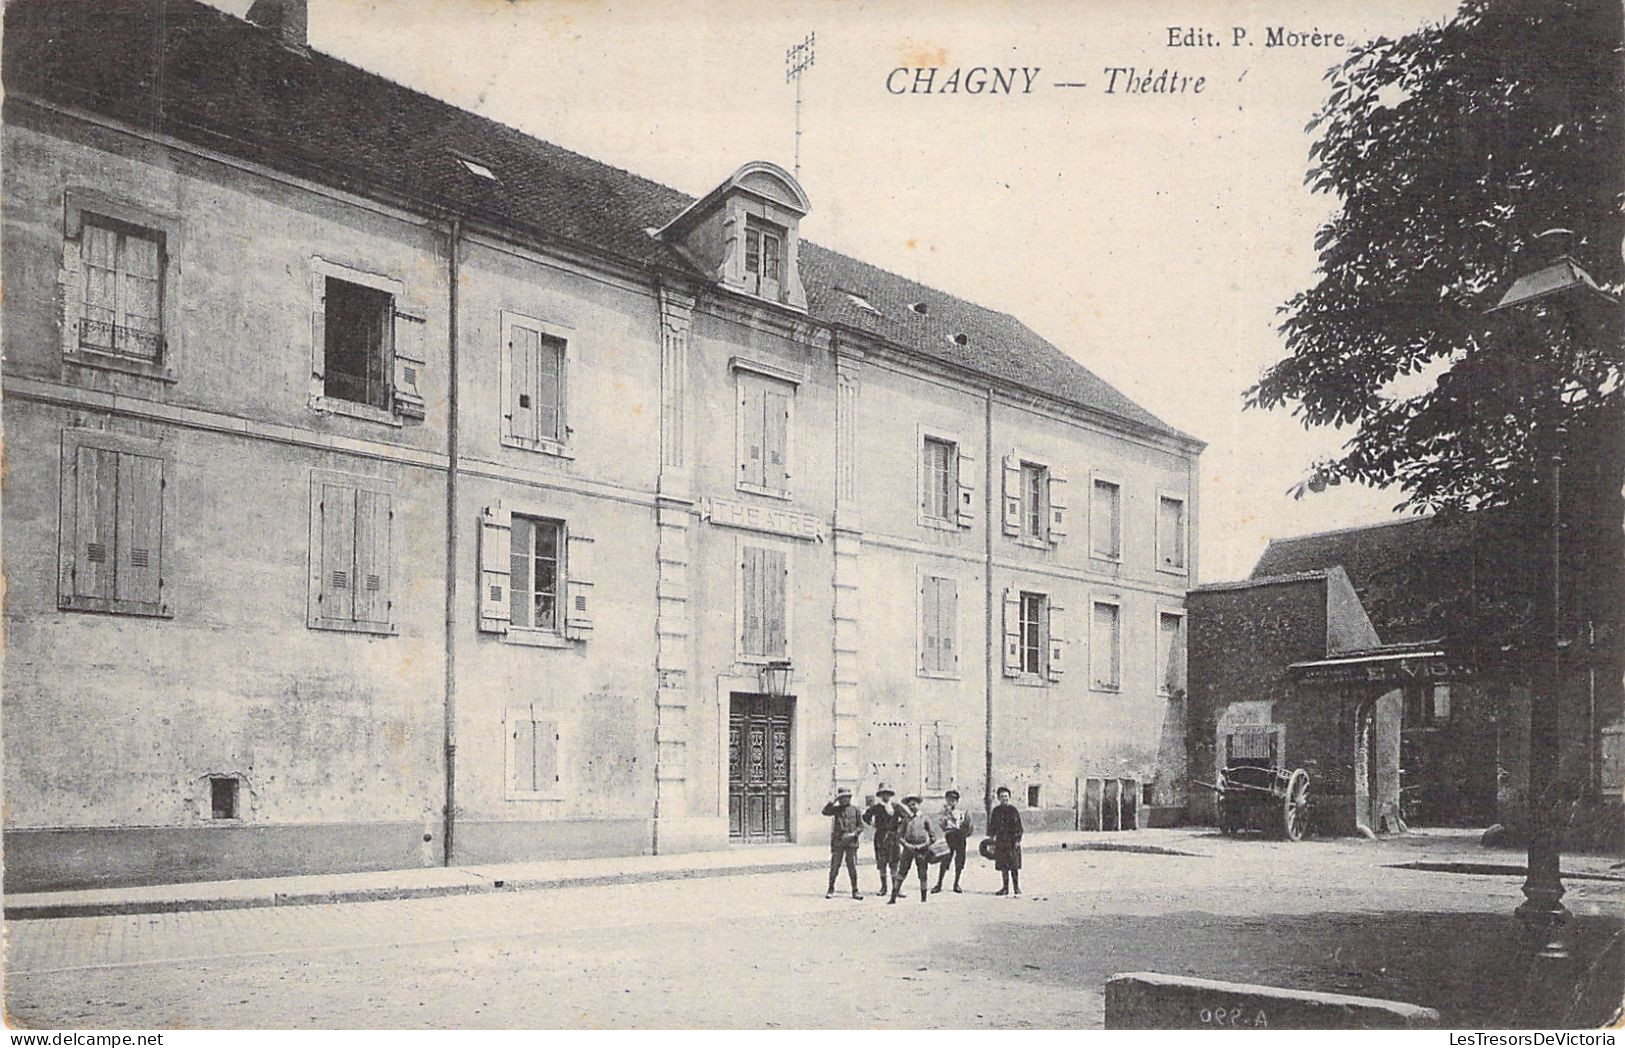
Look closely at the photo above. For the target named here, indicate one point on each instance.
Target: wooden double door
(759, 756)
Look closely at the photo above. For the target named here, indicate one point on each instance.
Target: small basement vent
(223, 794)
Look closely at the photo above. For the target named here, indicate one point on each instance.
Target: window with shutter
(1034, 612)
(939, 757)
(939, 481)
(939, 612)
(763, 604)
(351, 585)
(1055, 628)
(535, 363)
(966, 470)
(1012, 633)
(117, 282)
(113, 543)
(496, 541)
(765, 409)
(1105, 647)
(580, 603)
(534, 767)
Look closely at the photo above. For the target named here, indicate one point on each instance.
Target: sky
(1152, 236)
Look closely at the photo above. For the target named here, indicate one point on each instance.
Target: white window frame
(923, 479)
(530, 713)
(536, 636)
(566, 333)
(314, 618)
(758, 371)
(1112, 601)
(1185, 517)
(67, 533)
(788, 548)
(320, 269)
(1161, 675)
(1040, 676)
(1106, 477)
(79, 201)
(920, 575)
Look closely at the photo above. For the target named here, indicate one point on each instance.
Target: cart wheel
(1295, 806)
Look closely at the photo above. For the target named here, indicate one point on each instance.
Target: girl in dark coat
(1004, 826)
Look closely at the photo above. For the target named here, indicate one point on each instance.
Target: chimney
(286, 18)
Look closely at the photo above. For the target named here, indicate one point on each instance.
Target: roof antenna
(797, 60)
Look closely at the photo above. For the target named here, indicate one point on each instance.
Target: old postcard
(559, 514)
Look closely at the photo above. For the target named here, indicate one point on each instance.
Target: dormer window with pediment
(745, 233)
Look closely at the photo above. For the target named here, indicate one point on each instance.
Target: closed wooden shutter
(947, 601)
(1012, 494)
(99, 249)
(373, 515)
(751, 640)
(337, 596)
(96, 523)
(496, 533)
(1105, 522)
(1057, 508)
(1171, 533)
(138, 572)
(521, 753)
(1057, 641)
(966, 514)
(752, 434)
(139, 296)
(579, 591)
(928, 624)
(776, 444)
(1012, 633)
(409, 363)
(775, 575)
(523, 349)
(544, 765)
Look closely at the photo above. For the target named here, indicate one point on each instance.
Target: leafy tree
(1451, 151)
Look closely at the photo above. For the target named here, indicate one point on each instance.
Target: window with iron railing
(123, 285)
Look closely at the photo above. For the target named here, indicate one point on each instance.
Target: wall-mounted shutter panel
(1012, 494)
(409, 363)
(1012, 633)
(337, 593)
(1057, 641)
(140, 529)
(545, 756)
(1057, 508)
(967, 487)
(521, 753)
(578, 561)
(318, 332)
(522, 351)
(751, 396)
(750, 598)
(96, 523)
(549, 384)
(928, 632)
(372, 520)
(947, 624)
(774, 571)
(496, 534)
(776, 444)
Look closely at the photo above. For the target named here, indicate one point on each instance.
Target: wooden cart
(1256, 792)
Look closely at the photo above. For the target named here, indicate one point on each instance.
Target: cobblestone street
(760, 950)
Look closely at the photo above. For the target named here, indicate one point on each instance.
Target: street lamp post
(1566, 286)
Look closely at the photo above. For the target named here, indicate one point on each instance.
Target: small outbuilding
(1278, 666)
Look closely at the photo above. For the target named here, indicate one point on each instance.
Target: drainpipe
(994, 648)
(454, 239)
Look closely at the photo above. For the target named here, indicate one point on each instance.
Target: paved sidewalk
(470, 880)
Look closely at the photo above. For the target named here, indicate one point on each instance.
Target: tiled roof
(1424, 577)
(231, 86)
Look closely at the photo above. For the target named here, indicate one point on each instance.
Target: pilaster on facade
(848, 546)
(673, 521)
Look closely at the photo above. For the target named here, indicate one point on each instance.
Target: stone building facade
(386, 488)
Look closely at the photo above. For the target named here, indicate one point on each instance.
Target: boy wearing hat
(919, 832)
(845, 828)
(956, 830)
(887, 818)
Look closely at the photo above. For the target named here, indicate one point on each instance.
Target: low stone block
(1152, 1001)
